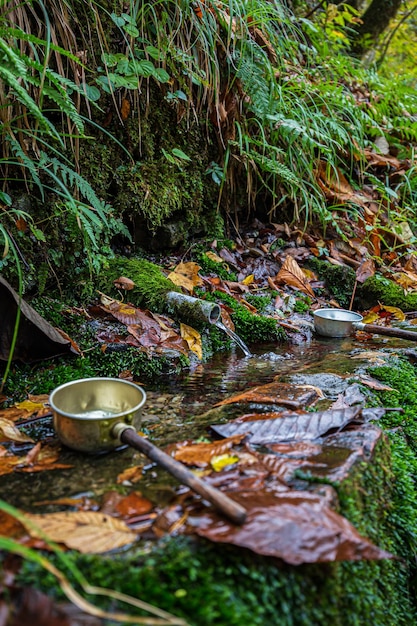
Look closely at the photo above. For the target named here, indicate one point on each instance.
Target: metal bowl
(85, 411)
(335, 322)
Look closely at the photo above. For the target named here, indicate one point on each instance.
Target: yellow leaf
(371, 318)
(396, 312)
(214, 257)
(219, 462)
(193, 339)
(29, 405)
(248, 280)
(88, 532)
(186, 275)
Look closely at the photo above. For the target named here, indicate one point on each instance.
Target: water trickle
(238, 341)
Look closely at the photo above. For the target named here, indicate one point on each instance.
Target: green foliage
(208, 266)
(250, 327)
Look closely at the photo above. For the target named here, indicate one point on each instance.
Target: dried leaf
(30, 406)
(37, 339)
(125, 109)
(9, 432)
(214, 257)
(365, 270)
(186, 275)
(133, 504)
(86, 531)
(193, 339)
(130, 474)
(292, 274)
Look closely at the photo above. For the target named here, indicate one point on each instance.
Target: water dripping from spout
(238, 341)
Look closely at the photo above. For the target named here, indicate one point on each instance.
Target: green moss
(250, 327)
(339, 280)
(151, 285)
(220, 269)
(380, 289)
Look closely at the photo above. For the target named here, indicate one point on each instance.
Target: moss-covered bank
(223, 586)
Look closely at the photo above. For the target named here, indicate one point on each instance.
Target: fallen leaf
(193, 339)
(283, 394)
(288, 426)
(214, 257)
(86, 531)
(124, 283)
(223, 460)
(292, 274)
(295, 526)
(186, 275)
(9, 432)
(365, 270)
(200, 454)
(131, 475)
(30, 406)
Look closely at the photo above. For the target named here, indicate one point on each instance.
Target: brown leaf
(295, 526)
(200, 454)
(365, 270)
(283, 394)
(9, 432)
(130, 474)
(133, 504)
(37, 339)
(289, 426)
(292, 274)
(86, 531)
(186, 275)
(125, 109)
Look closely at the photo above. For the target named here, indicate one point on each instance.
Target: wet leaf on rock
(9, 432)
(288, 426)
(285, 394)
(295, 526)
(200, 454)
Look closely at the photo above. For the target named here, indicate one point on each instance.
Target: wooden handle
(387, 330)
(231, 509)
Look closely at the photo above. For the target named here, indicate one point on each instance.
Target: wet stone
(331, 384)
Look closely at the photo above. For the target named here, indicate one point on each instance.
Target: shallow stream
(181, 407)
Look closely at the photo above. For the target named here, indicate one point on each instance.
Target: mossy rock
(338, 279)
(380, 289)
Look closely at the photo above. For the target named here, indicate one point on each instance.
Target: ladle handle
(386, 330)
(231, 509)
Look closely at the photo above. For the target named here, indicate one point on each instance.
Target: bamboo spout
(193, 309)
